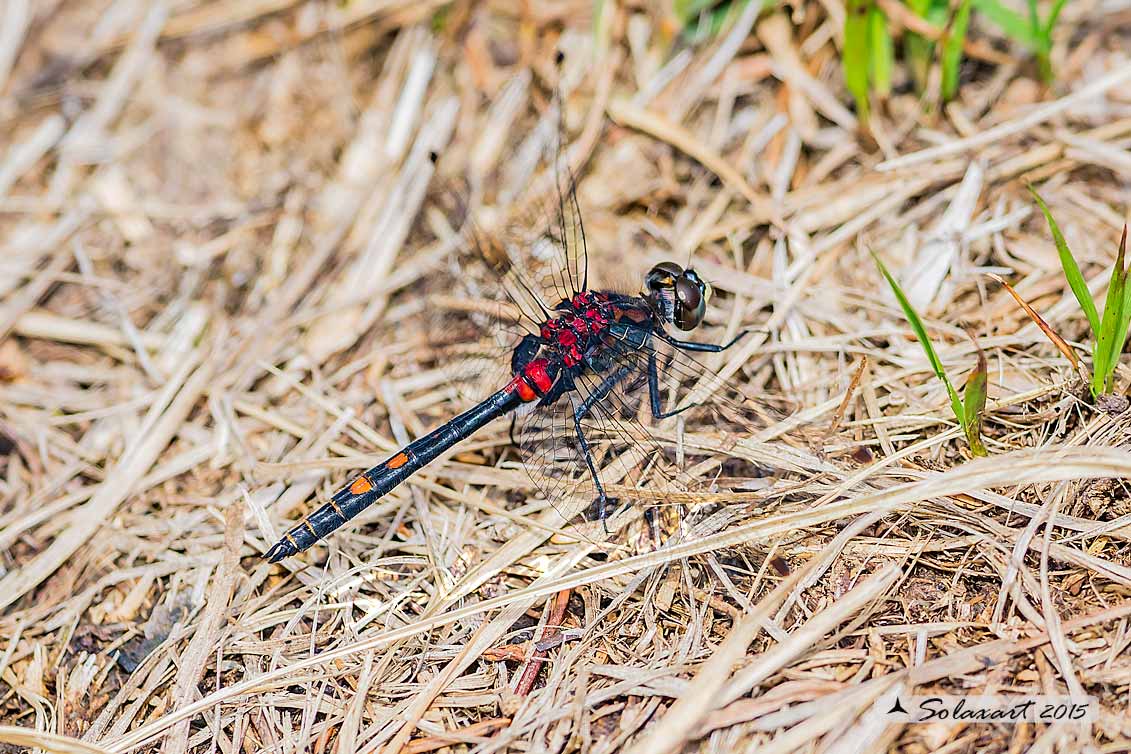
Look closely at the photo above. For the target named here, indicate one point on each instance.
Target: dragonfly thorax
(583, 318)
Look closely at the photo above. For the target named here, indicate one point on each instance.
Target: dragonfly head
(677, 296)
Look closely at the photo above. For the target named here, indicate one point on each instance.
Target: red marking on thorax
(571, 332)
(567, 336)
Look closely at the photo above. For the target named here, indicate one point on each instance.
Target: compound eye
(690, 302)
(704, 286)
(688, 293)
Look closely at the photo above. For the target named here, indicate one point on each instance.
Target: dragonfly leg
(654, 392)
(601, 504)
(690, 345)
(653, 526)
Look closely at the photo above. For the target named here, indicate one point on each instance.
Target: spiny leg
(653, 527)
(690, 345)
(600, 505)
(654, 392)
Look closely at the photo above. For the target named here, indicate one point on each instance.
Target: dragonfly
(576, 373)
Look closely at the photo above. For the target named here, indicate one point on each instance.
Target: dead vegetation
(220, 253)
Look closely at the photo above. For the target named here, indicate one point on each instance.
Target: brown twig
(534, 664)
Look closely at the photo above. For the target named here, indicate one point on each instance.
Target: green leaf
(952, 50)
(688, 10)
(916, 48)
(1072, 272)
(1110, 342)
(855, 57)
(974, 404)
(1034, 19)
(881, 47)
(1050, 22)
(921, 333)
(1125, 322)
(1012, 23)
(724, 15)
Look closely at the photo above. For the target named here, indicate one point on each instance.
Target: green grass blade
(921, 334)
(1125, 322)
(1034, 18)
(952, 50)
(1072, 272)
(938, 11)
(1110, 341)
(882, 54)
(916, 48)
(974, 404)
(855, 58)
(707, 18)
(917, 51)
(1044, 49)
(1060, 343)
(688, 10)
(1050, 22)
(440, 18)
(1012, 23)
(725, 15)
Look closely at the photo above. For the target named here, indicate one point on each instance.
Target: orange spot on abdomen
(360, 486)
(400, 459)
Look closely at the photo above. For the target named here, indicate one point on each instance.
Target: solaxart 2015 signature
(988, 709)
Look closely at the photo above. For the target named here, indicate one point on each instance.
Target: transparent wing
(533, 237)
(476, 331)
(685, 382)
(547, 444)
(617, 443)
(517, 260)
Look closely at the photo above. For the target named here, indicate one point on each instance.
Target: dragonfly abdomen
(380, 480)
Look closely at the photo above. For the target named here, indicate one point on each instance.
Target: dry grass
(220, 244)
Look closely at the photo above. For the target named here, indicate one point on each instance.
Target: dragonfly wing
(527, 252)
(535, 237)
(547, 442)
(684, 379)
(617, 443)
